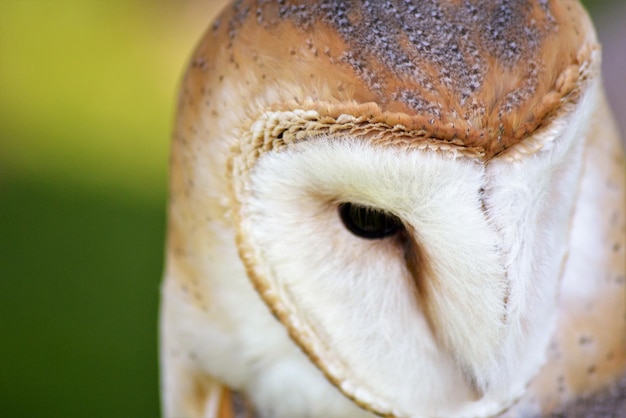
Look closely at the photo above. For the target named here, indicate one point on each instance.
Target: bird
(398, 208)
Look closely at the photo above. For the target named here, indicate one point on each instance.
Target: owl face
(378, 256)
(406, 222)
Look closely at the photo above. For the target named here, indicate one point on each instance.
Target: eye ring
(367, 222)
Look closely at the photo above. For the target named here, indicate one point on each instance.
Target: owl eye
(367, 222)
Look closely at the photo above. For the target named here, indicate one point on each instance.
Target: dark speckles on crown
(431, 42)
(487, 72)
(240, 13)
(415, 101)
(502, 33)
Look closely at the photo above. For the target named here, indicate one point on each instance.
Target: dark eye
(366, 222)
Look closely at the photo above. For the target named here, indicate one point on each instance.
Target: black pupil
(367, 222)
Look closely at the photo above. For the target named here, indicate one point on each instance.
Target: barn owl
(396, 208)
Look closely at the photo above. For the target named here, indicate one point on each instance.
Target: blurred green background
(87, 96)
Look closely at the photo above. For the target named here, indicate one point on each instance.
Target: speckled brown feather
(485, 74)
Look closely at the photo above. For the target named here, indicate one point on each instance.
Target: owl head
(394, 182)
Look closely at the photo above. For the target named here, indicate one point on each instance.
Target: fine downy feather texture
(494, 148)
